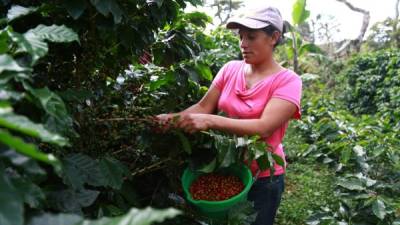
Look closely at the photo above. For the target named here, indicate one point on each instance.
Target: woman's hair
(269, 30)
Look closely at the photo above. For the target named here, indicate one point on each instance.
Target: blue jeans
(266, 195)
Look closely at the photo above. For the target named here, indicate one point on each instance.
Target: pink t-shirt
(239, 102)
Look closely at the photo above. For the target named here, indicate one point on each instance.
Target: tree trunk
(358, 41)
(396, 35)
(295, 53)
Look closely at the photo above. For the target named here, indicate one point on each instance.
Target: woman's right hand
(167, 121)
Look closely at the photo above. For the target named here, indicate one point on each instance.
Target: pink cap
(257, 18)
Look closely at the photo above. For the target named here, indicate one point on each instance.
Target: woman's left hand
(194, 122)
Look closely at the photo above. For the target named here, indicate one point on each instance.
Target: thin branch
(364, 25)
(156, 166)
(352, 7)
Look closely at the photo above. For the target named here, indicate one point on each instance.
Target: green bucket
(218, 209)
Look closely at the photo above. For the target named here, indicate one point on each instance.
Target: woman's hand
(167, 121)
(194, 122)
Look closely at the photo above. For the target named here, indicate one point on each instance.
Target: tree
(358, 41)
(224, 8)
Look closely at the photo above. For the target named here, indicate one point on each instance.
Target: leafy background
(77, 144)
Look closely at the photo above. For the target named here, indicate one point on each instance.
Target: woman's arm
(206, 105)
(276, 113)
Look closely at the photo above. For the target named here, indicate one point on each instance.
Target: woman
(260, 94)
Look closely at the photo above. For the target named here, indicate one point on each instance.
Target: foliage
(383, 35)
(300, 13)
(134, 216)
(363, 152)
(42, 95)
(76, 107)
(230, 149)
(372, 85)
(309, 186)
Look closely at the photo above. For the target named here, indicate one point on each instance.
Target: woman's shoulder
(289, 75)
(234, 64)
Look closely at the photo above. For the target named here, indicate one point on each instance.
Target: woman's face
(256, 45)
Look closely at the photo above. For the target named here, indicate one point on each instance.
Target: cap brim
(236, 23)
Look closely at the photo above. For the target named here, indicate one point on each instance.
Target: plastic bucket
(218, 209)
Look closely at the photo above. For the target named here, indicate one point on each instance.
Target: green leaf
(113, 171)
(75, 8)
(3, 42)
(59, 120)
(352, 184)
(72, 200)
(80, 169)
(7, 63)
(264, 162)
(29, 165)
(24, 125)
(345, 155)
(300, 13)
(379, 209)
(204, 71)
(33, 41)
(309, 48)
(185, 142)
(161, 81)
(210, 167)
(30, 44)
(53, 219)
(17, 11)
(135, 216)
(31, 193)
(11, 207)
(108, 6)
(279, 160)
(54, 33)
(51, 102)
(158, 2)
(29, 150)
(230, 155)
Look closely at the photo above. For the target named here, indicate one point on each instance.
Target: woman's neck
(266, 68)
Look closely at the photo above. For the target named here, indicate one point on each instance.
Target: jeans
(266, 195)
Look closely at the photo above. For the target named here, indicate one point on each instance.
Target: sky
(348, 22)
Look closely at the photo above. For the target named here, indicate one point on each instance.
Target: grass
(309, 187)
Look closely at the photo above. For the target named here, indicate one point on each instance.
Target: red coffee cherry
(215, 187)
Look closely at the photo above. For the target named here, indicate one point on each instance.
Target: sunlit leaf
(204, 71)
(135, 216)
(278, 159)
(210, 167)
(24, 125)
(379, 208)
(300, 13)
(7, 63)
(54, 33)
(352, 184)
(29, 150)
(17, 11)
